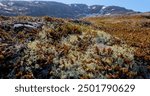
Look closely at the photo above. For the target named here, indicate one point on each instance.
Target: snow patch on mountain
(10, 3)
(108, 14)
(93, 7)
(104, 7)
(2, 5)
(8, 9)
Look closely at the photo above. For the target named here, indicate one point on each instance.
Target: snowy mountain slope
(56, 9)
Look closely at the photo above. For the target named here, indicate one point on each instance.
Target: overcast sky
(137, 5)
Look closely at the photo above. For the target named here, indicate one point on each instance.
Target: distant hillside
(55, 9)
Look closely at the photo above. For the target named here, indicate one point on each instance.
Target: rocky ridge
(56, 9)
